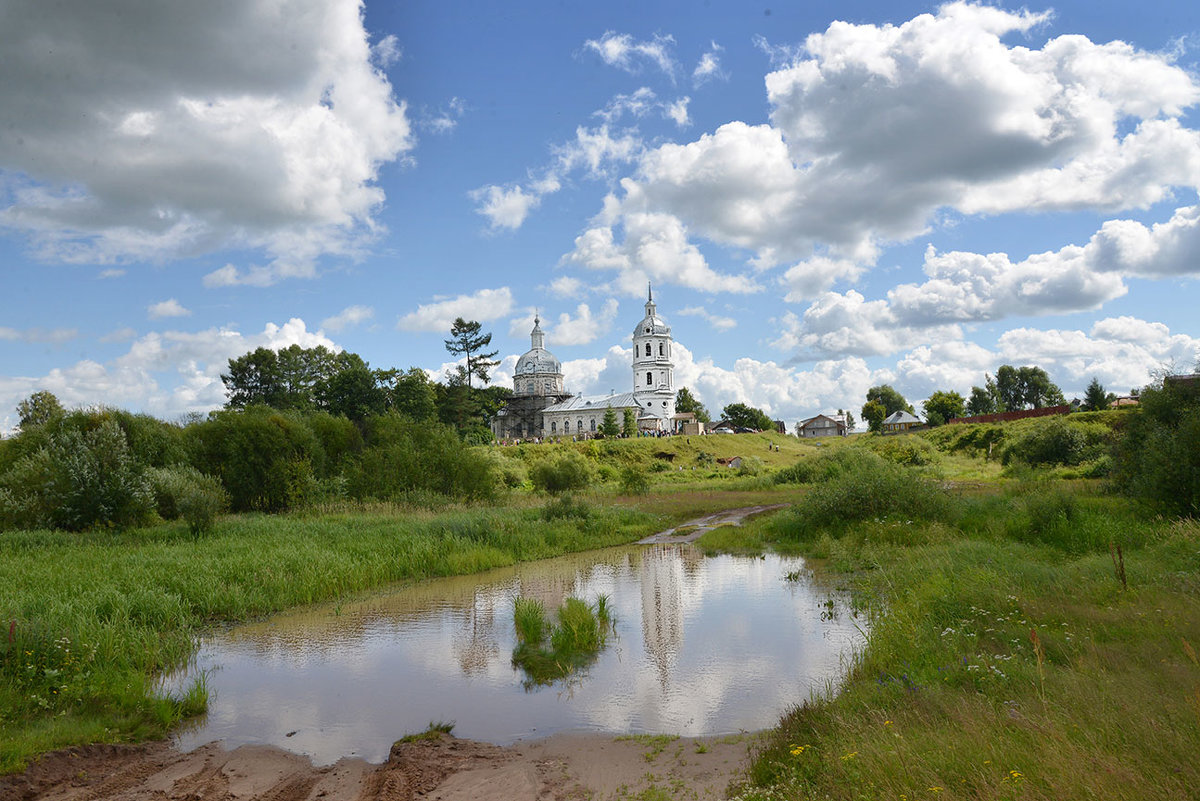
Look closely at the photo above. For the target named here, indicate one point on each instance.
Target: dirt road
(561, 768)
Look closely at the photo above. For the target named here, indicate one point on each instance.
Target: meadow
(1033, 632)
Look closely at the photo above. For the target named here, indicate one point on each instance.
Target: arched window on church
(553, 426)
(647, 348)
(593, 424)
(661, 352)
(649, 379)
(529, 388)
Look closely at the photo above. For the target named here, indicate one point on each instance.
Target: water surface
(703, 646)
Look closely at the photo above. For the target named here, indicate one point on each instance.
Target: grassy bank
(1007, 657)
(90, 620)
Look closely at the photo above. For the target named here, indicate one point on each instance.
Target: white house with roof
(822, 425)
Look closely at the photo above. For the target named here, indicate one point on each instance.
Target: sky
(824, 196)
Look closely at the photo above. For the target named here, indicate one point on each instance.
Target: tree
(629, 425)
(1026, 388)
(466, 339)
(891, 400)
(739, 415)
(686, 402)
(353, 391)
(985, 399)
(283, 379)
(943, 406)
(609, 427)
(850, 423)
(874, 413)
(1095, 399)
(410, 393)
(38, 409)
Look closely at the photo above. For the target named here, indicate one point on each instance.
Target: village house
(900, 421)
(822, 426)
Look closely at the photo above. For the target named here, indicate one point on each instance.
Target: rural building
(900, 421)
(822, 426)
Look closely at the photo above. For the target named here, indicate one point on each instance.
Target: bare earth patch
(693, 529)
(565, 767)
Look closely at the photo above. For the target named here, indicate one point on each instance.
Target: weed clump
(546, 651)
(870, 489)
(828, 466)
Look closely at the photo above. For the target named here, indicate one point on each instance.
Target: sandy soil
(562, 768)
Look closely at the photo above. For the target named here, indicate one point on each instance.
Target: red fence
(1001, 417)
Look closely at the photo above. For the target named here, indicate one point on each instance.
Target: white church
(540, 407)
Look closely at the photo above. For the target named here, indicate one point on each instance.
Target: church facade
(540, 407)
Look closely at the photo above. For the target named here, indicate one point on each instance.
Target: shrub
(567, 471)
(634, 481)
(95, 480)
(908, 449)
(751, 466)
(828, 465)
(1057, 441)
(863, 492)
(1159, 456)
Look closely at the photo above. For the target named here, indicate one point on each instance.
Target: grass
(1005, 658)
(434, 731)
(90, 621)
(549, 651)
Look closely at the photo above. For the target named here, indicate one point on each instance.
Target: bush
(267, 460)
(634, 481)
(1159, 457)
(186, 492)
(95, 480)
(565, 507)
(907, 449)
(827, 466)
(568, 471)
(751, 466)
(1057, 441)
(866, 491)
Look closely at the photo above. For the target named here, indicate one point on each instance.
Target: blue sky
(825, 196)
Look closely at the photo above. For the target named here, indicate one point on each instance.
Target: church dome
(537, 360)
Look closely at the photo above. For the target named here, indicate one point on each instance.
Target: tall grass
(546, 651)
(1005, 658)
(88, 622)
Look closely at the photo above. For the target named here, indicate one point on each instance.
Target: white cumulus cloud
(158, 144)
(486, 304)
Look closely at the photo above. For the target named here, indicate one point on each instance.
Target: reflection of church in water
(665, 569)
(541, 407)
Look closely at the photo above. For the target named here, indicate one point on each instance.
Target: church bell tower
(653, 367)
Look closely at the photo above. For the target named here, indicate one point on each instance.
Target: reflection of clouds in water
(704, 645)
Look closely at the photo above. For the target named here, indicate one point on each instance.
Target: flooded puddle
(703, 646)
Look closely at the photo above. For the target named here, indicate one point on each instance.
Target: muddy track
(693, 529)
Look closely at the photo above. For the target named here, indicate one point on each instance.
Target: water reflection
(703, 646)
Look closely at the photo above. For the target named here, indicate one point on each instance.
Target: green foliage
(891, 400)
(943, 406)
(629, 424)
(829, 465)
(410, 393)
(634, 481)
(739, 415)
(908, 450)
(1026, 388)
(985, 399)
(609, 426)
(267, 460)
(38, 409)
(1095, 399)
(403, 456)
(185, 492)
(874, 413)
(548, 652)
(1057, 441)
(865, 491)
(566, 471)
(283, 379)
(84, 476)
(686, 402)
(352, 391)
(467, 339)
(1159, 457)
(566, 507)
